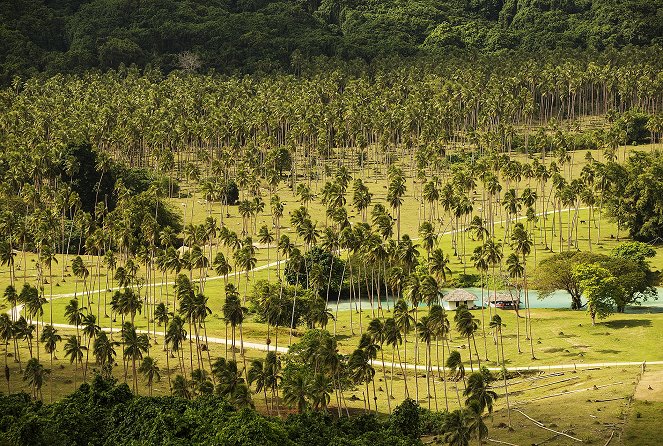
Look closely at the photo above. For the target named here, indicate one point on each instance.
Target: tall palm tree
(457, 428)
(404, 322)
(438, 265)
(134, 346)
(515, 270)
(426, 331)
(457, 370)
(175, 337)
(377, 330)
(50, 338)
(496, 324)
(74, 350)
(150, 371)
(90, 331)
(478, 390)
(521, 243)
(295, 390)
(259, 374)
(233, 314)
(34, 304)
(481, 264)
(104, 353)
(34, 375)
(6, 334)
(467, 325)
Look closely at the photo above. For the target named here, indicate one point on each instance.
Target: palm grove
(92, 166)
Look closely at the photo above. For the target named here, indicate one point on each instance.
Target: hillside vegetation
(70, 36)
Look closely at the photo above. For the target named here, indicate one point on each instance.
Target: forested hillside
(71, 36)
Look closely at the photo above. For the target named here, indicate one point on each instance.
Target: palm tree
(104, 353)
(222, 266)
(481, 264)
(34, 375)
(6, 333)
(478, 390)
(515, 270)
(74, 350)
(233, 314)
(266, 237)
(426, 332)
(521, 243)
(259, 374)
(74, 314)
(456, 369)
(150, 371)
(404, 321)
(457, 429)
(361, 370)
(47, 257)
(438, 265)
(467, 325)
(295, 390)
(175, 337)
(181, 387)
(496, 324)
(392, 337)
(134, 346)
(377, 330)
(50, 338)
(34, 305)
(441, 328)
(90, 331)
(395, 192)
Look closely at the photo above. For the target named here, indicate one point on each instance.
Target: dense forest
(103, 413)
(71, 36)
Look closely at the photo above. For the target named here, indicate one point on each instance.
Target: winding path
(13, 312)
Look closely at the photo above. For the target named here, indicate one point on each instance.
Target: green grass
(644, 427)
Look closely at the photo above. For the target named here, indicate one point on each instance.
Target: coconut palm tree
(377, 331)
(104, 353)
(456, 369)
(75, 351)
(134, 346)
(181, 387)
(150, 371)
(426, 332)
(478, 390)
(90, 331)
(438, 265)
(259, 374)
(457, 428)
(34, 304)
(467, 325)
(521, 243)
(6, 334)
(481, 264)
(515, 270)
(295, 390)
(496, 324)
(233, 314)
(50, 338)
(175, 337)
(404, 322)
(34, 375)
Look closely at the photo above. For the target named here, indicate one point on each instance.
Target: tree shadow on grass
(627, 323)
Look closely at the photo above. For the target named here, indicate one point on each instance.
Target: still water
(558, 299)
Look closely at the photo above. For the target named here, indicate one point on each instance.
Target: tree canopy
(264, 35)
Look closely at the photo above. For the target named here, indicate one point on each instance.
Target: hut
(457, 298)
(505, 301)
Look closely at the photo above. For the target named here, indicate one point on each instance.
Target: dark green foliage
(296, 271)
(405, 418)
(264, 35)
(635, 195)
(103, 413)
